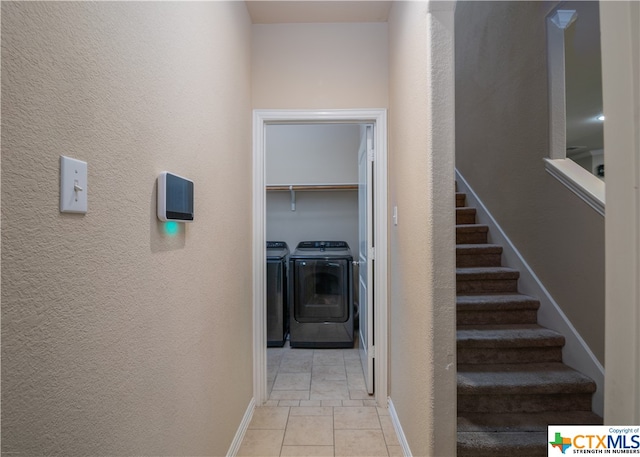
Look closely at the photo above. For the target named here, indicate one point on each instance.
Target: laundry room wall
(312, 154)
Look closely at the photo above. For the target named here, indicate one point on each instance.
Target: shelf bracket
(293, 198)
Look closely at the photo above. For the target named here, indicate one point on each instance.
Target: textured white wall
(320, 66)
(421, 183)
(502, 136)
(313, 154)
(116, 337)
(621, 95)
(318, 216)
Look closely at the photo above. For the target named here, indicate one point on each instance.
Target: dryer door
(321, 291)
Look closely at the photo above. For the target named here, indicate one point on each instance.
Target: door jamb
(260, 119)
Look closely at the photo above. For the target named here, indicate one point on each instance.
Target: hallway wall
(502, 136)
(422, 290)
(319, 66)
(116, 335)
(316, 66)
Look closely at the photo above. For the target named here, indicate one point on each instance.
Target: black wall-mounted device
(175, 198)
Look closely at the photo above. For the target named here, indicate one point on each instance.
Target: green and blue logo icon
(561, 442)
(593, 439)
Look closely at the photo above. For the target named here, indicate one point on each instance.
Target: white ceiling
(279, 12)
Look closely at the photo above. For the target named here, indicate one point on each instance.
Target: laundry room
(311, 175)
(312, 231)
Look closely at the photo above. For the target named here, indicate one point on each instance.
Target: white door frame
(260, 120)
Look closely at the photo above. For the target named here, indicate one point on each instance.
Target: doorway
(375, 258)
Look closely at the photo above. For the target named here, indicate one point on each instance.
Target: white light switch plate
(73, 185)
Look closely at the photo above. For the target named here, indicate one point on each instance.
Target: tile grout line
(333, 423)
(343, 402)
(287, 426)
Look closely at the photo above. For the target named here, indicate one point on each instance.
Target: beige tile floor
(318, 406)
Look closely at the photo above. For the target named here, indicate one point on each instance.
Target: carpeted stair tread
(486, 280)
(479, 248)
(496, 302)
(522, 444)
(523, 422)
(531, 378)
(508, 344)
(466, 228)
(471, 233)
(493, 434)
(487, 309)
(478, 255)
(473, 273)
(507, 336)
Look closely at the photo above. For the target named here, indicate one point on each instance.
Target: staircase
(511, 379)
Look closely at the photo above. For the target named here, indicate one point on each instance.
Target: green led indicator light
(171, 228)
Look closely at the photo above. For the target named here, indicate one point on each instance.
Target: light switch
(73, 185)
(395, 215)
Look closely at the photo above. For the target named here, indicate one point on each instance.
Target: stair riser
(471, 237)
(486, 286)
(478, 260)
(472, 355)
(523, 403)
(465, 216)
(461, 201)
(496, 317)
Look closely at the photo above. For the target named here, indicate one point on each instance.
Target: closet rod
(314, 187)
(293, 188)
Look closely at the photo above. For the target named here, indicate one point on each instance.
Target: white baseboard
(242, 429)
(576, 352)
(398, 428)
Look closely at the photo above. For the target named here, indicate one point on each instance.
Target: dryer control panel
(322, 245)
